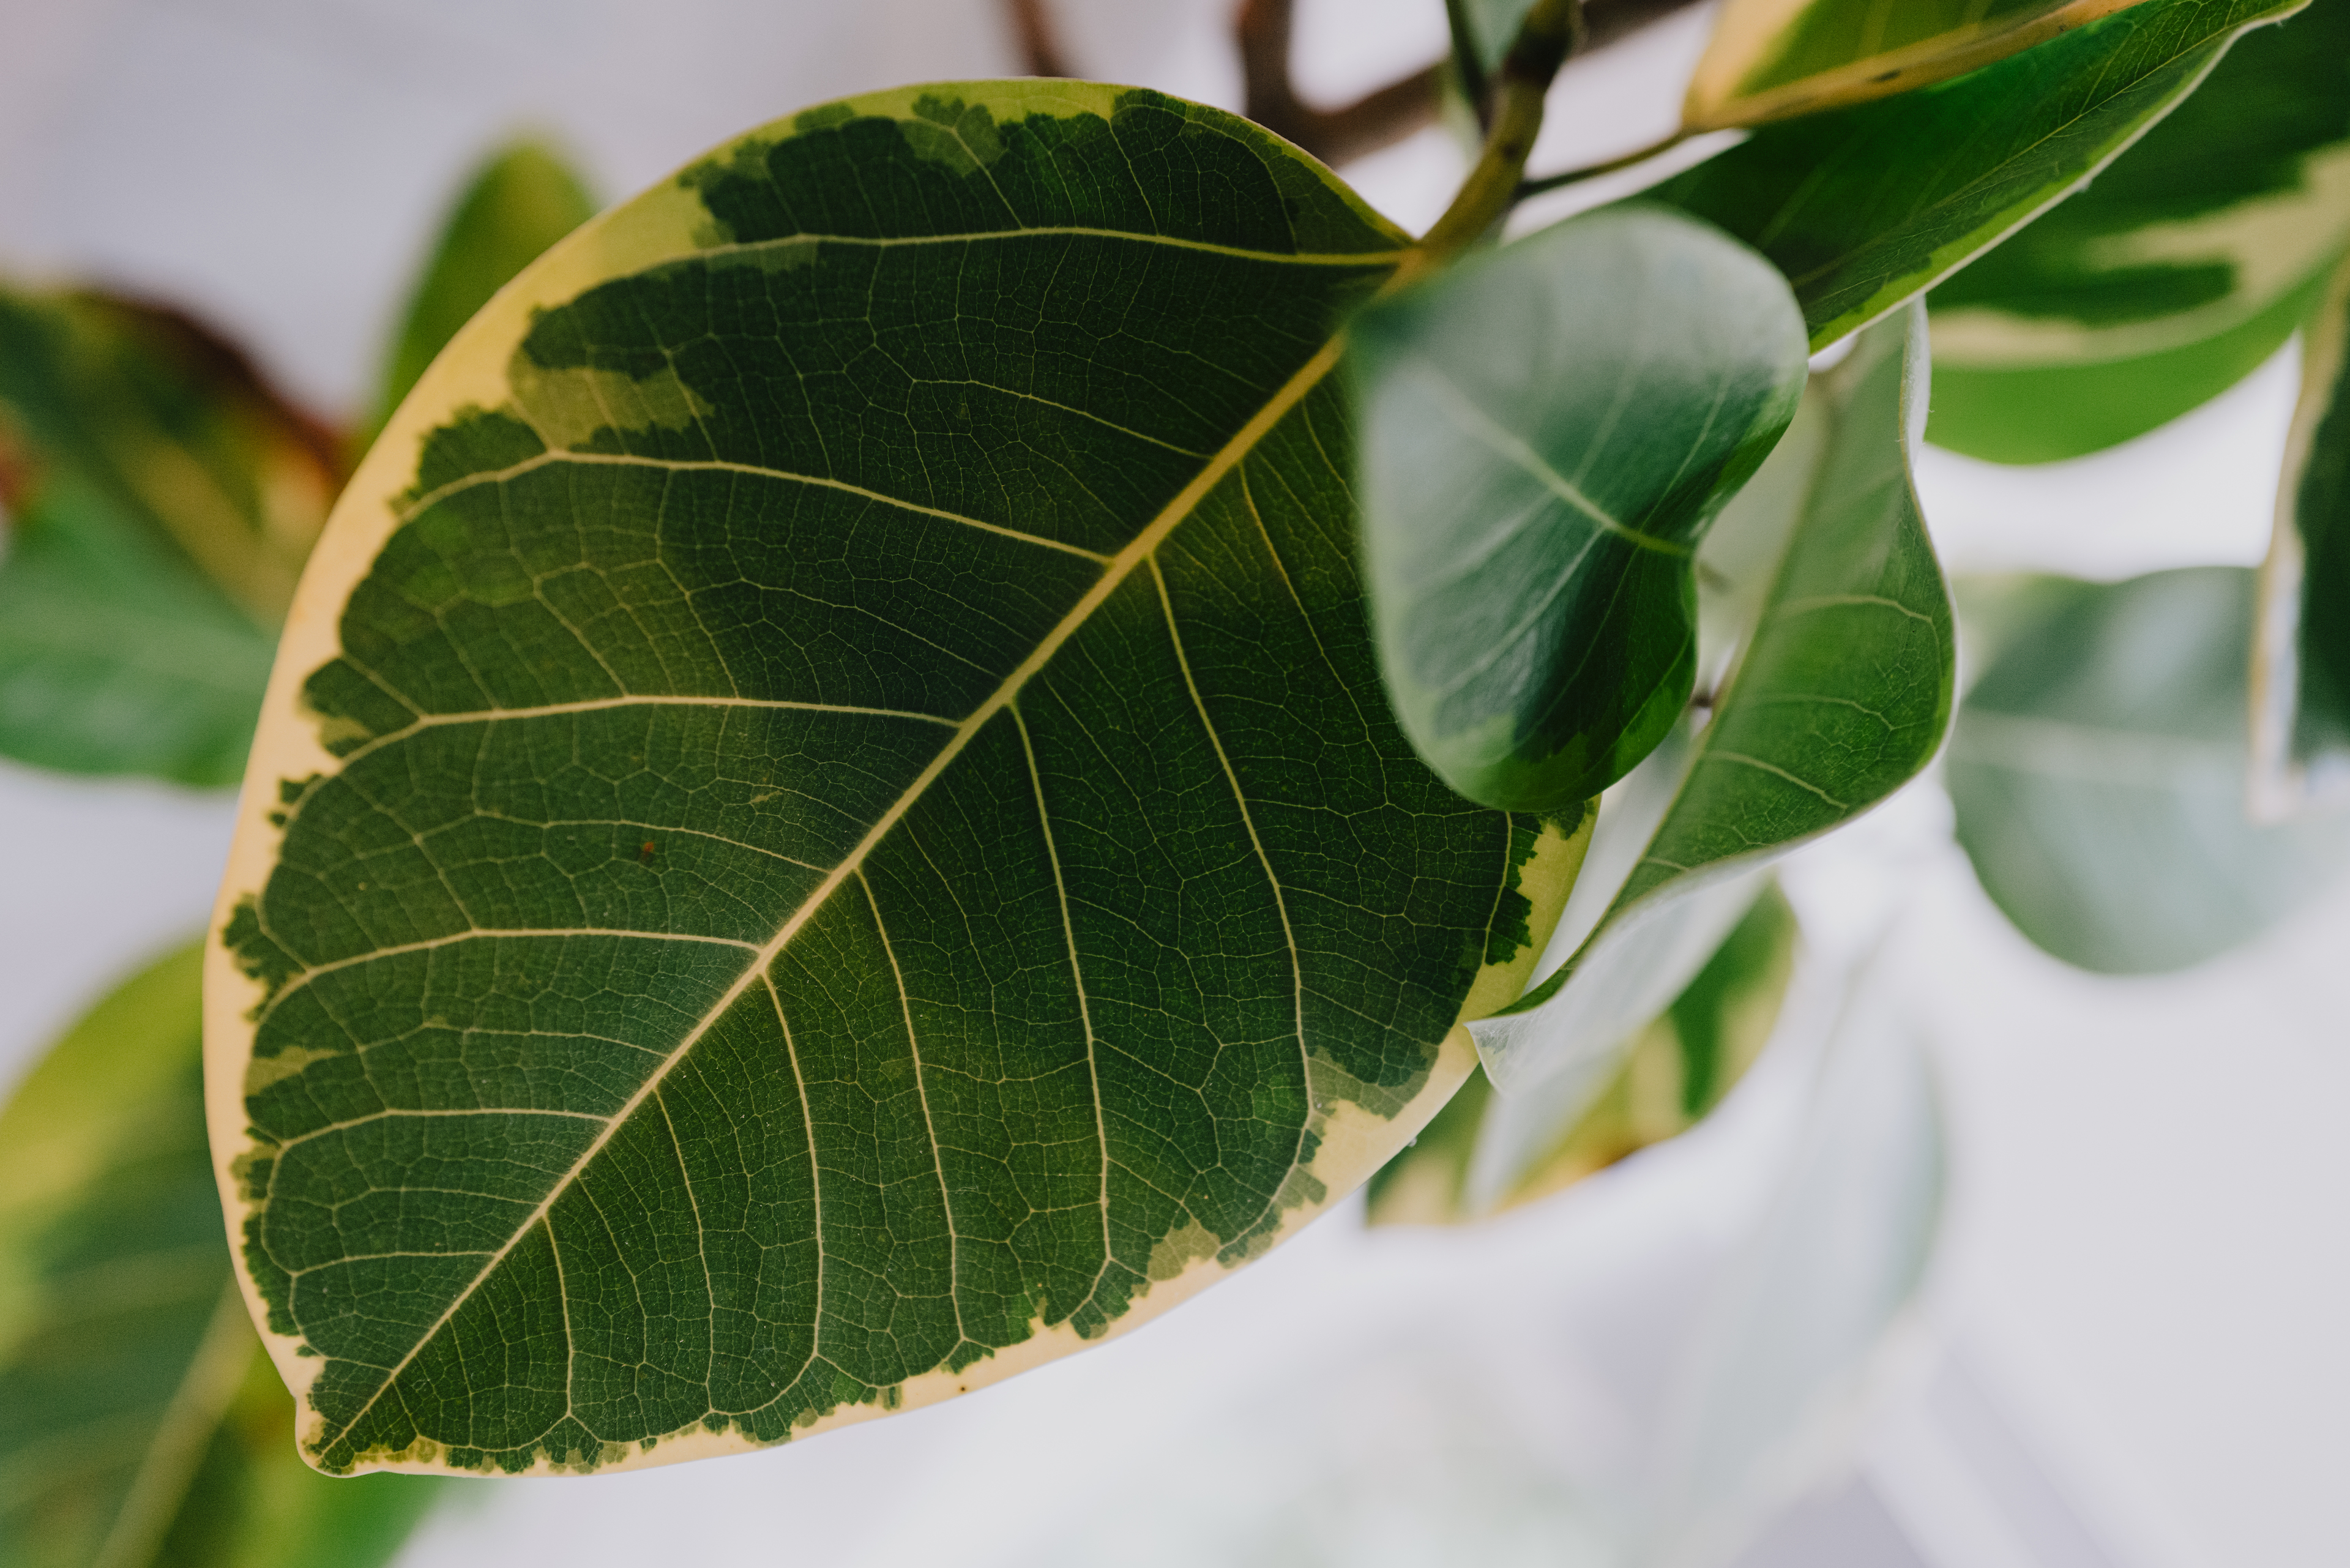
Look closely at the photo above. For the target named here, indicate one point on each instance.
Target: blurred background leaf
(2184, 265)
(2098, 772)
(141, 1422)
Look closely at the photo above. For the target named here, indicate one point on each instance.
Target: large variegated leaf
(159, 499)
(1548, 433)
(1841, 696)
(2098, 774)
(1771, 59)
(2301, 647)
(1485, 1152)
(139, 1422)
(2184, 266)
(824, 830)
(1865, 207)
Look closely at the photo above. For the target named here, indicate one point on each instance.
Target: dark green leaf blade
(823, 833)
(1842, 696)
(2301, 648)
(2187, 262)
(1549, 430)
(1865, 207)
(517, 203)
(139, 1423)
(2098, 770)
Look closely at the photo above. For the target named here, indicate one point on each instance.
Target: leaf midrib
(1121, 565)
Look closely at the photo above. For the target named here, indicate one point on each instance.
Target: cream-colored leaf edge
(668, 223)
(1750, 29)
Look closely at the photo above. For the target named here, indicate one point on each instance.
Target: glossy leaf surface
(2098, 770)
(1841, 696)
(824, 832)
(1484, 1152)
(2301, 651)
(1769, 59)
(2186, 264)
(139, 1422)
(1865, 207)
(1548, 431)
(517, 204)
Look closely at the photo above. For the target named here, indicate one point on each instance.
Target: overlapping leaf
(1865, 207)
(522, 200)
(2301, 649)
(2098, 770)
(1771, 59)
(825, 832)
(2184, 266)
(139, 1422)
(1484, 1153)
(1549, 430)
(1841, 696)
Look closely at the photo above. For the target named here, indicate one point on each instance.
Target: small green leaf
(2098, 772)
(833, 836)
(175, 428)
(1487, 29)
(2301, 654)
(1486, 1153)
(139, 1423)
(518, 203)
(1772, 59)
(2187, 262)
(1840, 698)
(115, 656)
(1865, 207)
(1549, 430)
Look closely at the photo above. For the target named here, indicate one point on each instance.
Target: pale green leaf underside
(837, 838)
(2098, 772)
(1842, 695)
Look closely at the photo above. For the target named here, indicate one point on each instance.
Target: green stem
(1551, 31)
(1535, 187)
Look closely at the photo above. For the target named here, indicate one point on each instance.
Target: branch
(1334, 136)
(1040, 41)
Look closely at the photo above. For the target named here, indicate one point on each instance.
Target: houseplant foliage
(938, 731)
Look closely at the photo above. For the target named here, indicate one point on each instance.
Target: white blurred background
(2130, 1353)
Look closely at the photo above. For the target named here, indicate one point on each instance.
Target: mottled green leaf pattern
(2187, 264)
(1769, 59)
(1548, 433)
(1865, 207)
(2098, 770)
(1842, 695)
(833, 836)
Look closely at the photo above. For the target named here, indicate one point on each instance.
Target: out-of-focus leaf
(2098, 770)
(2300, 652)
(1802, 1316)
(175, 427)
(1486, 29)
(519, 202)
(1549, 430)
(1841, 697)
(1484, 1153)
(115, 657)
(839, 725)
(1865, 207)
(1771, 59)
(2186, 264)
(139, 1422)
